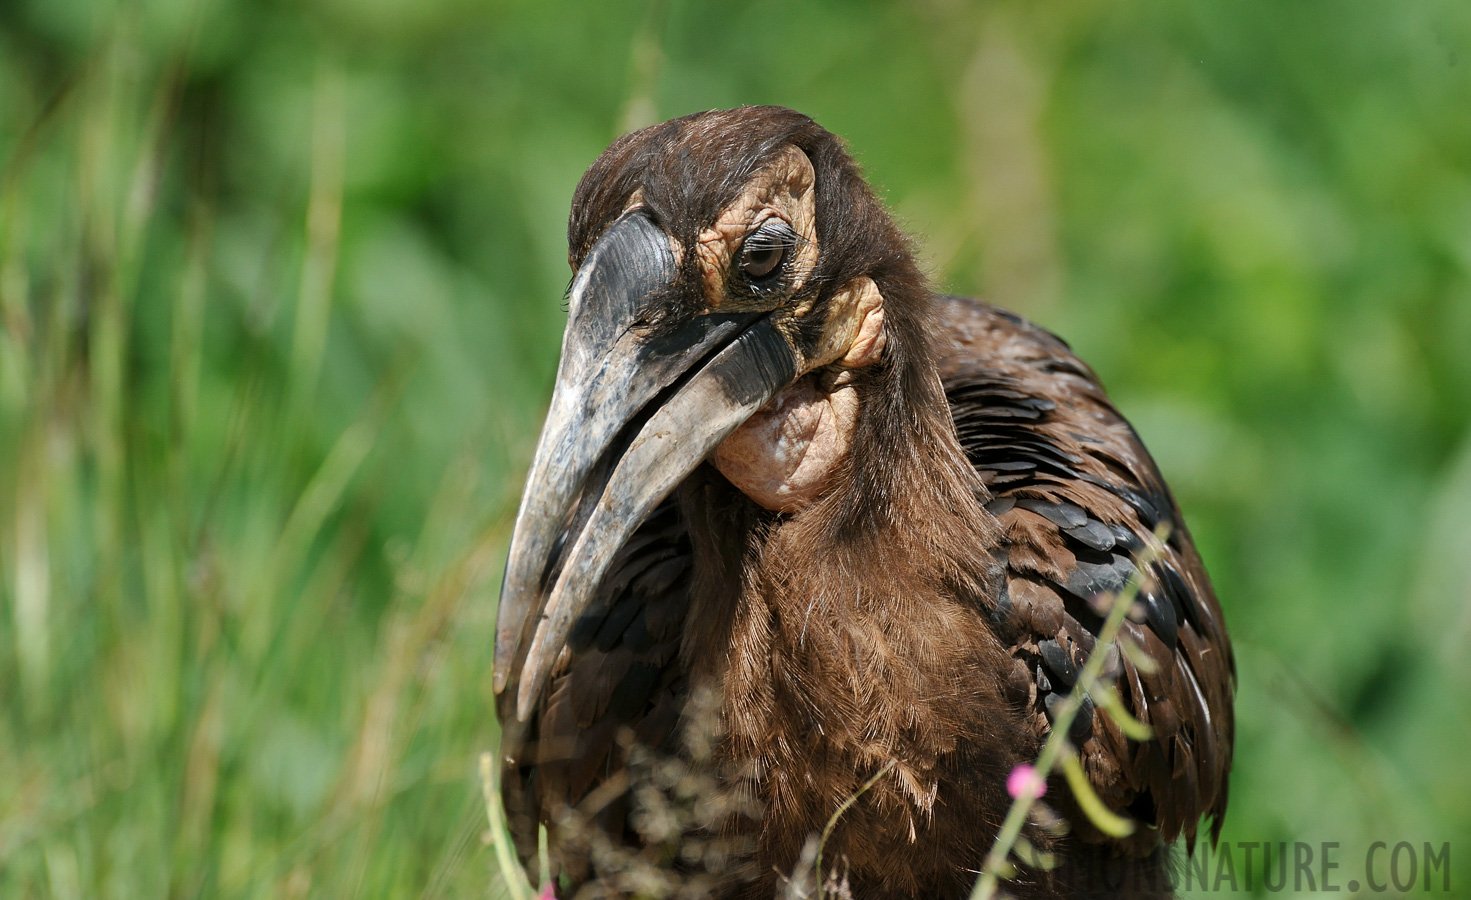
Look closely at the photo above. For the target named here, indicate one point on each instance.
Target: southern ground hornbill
(796, 521)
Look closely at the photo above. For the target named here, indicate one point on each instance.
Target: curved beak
(633, 413)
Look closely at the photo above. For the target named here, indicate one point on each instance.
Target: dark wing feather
(619, 676)
(1077, 494)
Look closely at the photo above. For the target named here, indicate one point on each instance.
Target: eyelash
(769, 237)
(763, 241)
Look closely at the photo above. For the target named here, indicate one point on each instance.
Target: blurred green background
(280, 304)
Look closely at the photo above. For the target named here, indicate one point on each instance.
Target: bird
(809, 554)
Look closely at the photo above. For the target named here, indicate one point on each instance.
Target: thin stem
(511, 872)
(832, 822)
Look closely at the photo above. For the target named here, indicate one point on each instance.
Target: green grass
(279, 310)
(245, 640)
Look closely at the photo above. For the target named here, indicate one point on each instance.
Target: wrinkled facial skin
(783, 457)
(783, 190)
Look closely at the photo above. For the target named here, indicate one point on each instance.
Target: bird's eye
(762, 261)
(766, 249)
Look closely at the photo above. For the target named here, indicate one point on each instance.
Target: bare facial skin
(783, 190)
(783, 456)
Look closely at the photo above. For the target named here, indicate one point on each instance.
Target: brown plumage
(920, 609)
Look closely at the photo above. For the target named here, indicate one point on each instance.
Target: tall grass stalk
(238, 654)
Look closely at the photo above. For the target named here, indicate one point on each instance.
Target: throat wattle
(784, 456)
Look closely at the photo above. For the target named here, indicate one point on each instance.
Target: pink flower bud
(1025, 782)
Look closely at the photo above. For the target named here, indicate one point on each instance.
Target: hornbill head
(731, 269)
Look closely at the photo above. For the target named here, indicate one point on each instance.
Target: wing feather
(1077, 496)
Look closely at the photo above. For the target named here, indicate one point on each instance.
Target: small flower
(546, 892)
(1024, 782)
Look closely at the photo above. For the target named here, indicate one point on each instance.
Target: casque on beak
(636, 408)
